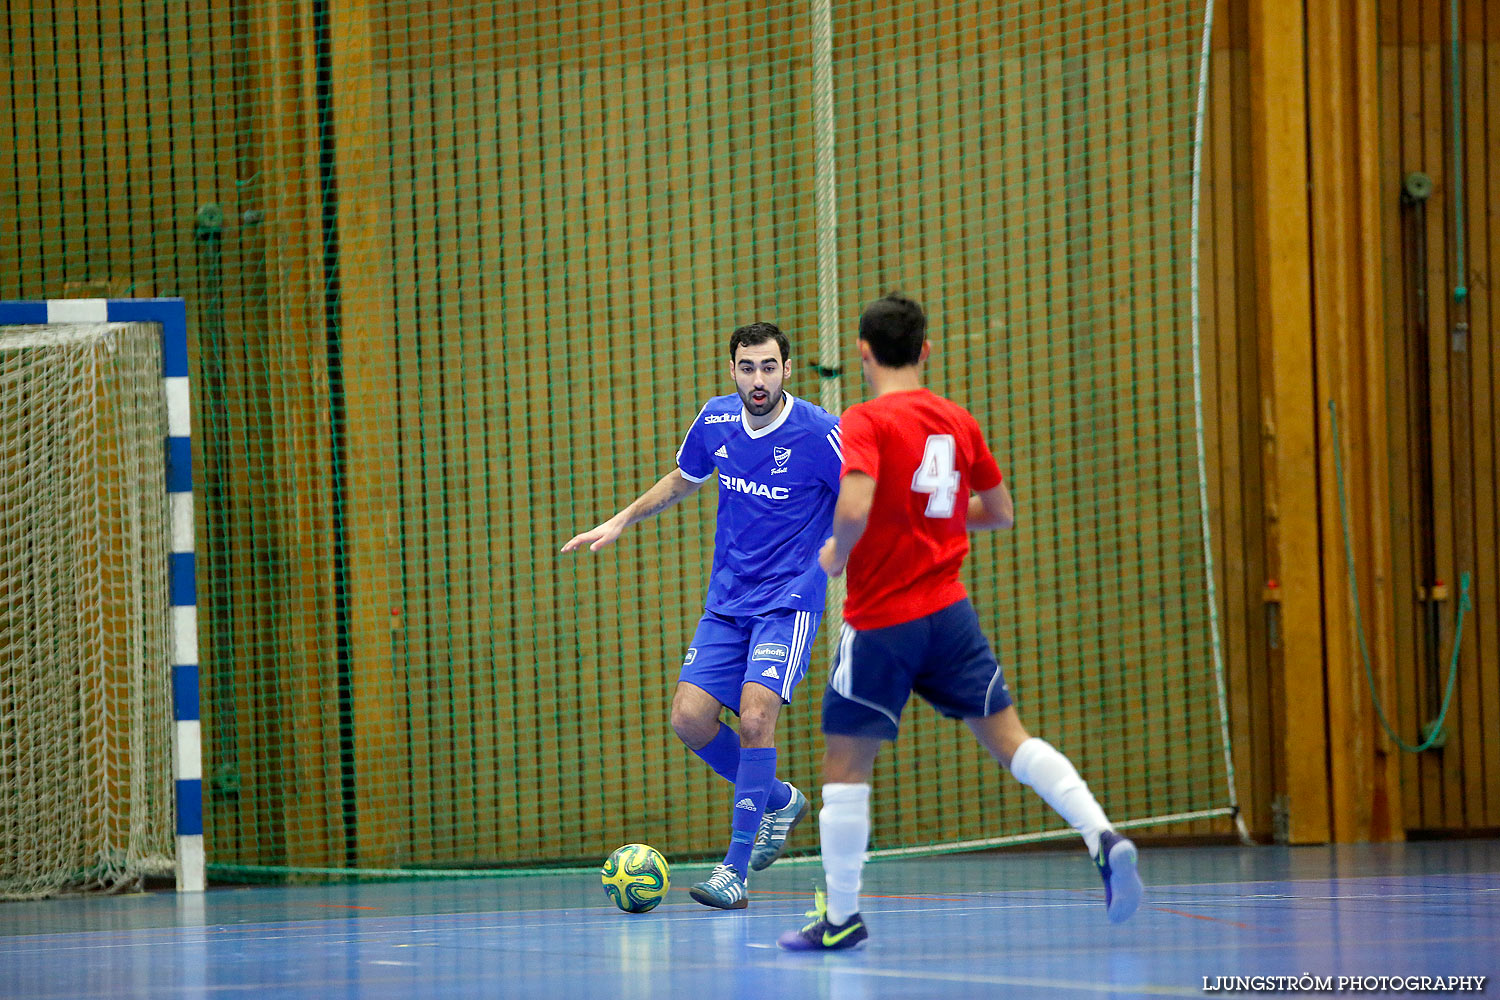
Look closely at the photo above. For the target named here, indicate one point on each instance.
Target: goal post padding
(97, 598)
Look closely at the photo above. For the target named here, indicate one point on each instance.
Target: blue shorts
(730, 651)
(944, 657)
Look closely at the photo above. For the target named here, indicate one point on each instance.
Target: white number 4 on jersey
(937, 475)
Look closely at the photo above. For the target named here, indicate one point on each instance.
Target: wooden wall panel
(530, 211)
(551, 232)
(11, 209)
(1448, 790)
(1344, 167)
(705, 231)
(1278, 139)
(29, 145)
(1481, 53)
(123, 118)
(1453, 788)
(297, 319)
(493, 725)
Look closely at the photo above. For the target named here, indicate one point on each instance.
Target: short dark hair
(754, 334)
(895, 327)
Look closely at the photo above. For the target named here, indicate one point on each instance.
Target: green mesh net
(460, 274)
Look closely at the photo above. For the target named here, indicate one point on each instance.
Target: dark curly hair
(753, 334)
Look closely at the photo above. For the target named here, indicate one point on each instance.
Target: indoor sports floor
(1020, 924)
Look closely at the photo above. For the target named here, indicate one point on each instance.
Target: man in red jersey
(911, 461)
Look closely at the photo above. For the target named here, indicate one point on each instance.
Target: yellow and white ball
(636, 877)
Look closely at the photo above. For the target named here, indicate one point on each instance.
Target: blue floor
(1012, 925)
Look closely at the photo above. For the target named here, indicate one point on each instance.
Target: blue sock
(757, 774)
(780, 795)
(722, 753)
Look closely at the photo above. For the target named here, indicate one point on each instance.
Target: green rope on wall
(1435, 730)
(1460, 290)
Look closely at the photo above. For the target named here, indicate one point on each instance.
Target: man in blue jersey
(778, 460)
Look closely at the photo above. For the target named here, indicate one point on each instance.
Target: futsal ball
(636, 878)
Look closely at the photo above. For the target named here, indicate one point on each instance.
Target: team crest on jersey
(770, 651)
(692, 654)
(781, 455)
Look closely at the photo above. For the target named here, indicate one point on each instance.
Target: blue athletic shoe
(820, 935)
(1122, 884)
(723, 890)
(775, 827)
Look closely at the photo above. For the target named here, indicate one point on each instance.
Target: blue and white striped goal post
(187, 757)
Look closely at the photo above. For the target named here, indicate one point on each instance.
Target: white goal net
(86, 793)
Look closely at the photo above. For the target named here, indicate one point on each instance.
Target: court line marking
(1072, 985)
(863, 895)
(603, 916)
(1217, 920)
(379, 926)
(1213, 947)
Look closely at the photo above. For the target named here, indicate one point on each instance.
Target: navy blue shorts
(944, 657)
(730, 651)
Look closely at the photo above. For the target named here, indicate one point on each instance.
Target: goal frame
(170, 314)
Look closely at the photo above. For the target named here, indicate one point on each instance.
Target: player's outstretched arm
(669, 489)
(850, 515)
(991, 509)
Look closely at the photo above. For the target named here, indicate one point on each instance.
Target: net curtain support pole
(826, 220)
(1195, 298)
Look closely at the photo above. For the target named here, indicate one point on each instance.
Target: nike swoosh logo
(829, 940)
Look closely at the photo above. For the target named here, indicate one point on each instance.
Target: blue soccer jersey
(777, 488)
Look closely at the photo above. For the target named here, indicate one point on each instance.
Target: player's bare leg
(849, 759)
(1001, 734)
(760, 707)
(1036, 763)
(695, 719)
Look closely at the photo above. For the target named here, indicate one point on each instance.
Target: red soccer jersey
(926, 453)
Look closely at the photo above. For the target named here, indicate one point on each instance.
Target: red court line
(1199, 916)
(343, 906)
(863, 895)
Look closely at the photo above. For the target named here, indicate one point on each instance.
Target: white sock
(1038, 764)
(844, 823)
